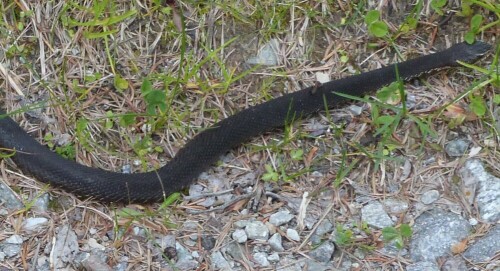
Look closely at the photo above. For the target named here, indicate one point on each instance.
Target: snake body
(205, 148)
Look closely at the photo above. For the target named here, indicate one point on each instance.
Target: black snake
(205, 148)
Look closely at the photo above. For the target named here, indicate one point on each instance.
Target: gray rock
(186, 265)
(190, 226)
(274, 257)
(122, 265)
(240, 236)
(473, 221)
(457, 147)
(139, 231)
(80, 258)
(393, 250)
(14, 239)
(276, 243)
(245, 180)
(434, 233)
(280, 218)
(10, 250)
(488, 195)
(355, 110)
(9, 199)
(290, 263)
(293, 235)
(65, 247)
(324, 252)
(324, 227)
(267, 55)
(196, 190)
(183, 254)
(95, 262)
(34, 224)
(374, 215)
(127, 169)
(315, 239)
(485, 248)
(208, 242)
(42, 203)
(241, 223)
(422, 266)
(429, 196)
(261, 259)
(94, 245)
(312, 265)
(219, 262)
(166, 241)
(395, 206)
(256, 230)
(310, 221)
(454, 264)
(235, 251)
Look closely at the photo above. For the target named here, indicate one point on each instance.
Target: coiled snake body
(206, 147)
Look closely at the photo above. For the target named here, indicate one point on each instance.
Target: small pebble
(293, 235)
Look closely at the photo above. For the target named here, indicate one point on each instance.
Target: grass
(130, 83)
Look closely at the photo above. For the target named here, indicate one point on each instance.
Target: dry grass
(54, 63)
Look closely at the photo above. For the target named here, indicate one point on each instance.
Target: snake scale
(204, 149)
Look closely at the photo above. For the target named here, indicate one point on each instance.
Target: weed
(343, 236)
(397, 235)
(475, 92)
(67, 151)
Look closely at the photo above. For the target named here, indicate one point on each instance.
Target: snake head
(467, 52)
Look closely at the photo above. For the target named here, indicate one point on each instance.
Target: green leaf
(437, 5)
(67, 151)
(389, 234)
(146, 86)
(466, 9)
(98, 35)
(344, 59)
(156, 99)
(297, 154)
(343, 235)
(477, 106)
(496, 99)
(270, 175)
(405, 230)
(48, 138)
(81, 125)
(6, 153)
(127, 119)
(469, 37)
(128, 213)
(120, 83)
(171, 199)
(412, 23)
(387, 119)
(378, 29)
(399, 243)
(372, 16)
(92, 77)
(476, 22)
(389, 93)
(166, 10)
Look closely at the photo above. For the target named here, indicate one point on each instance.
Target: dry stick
(315, 227)
(223, 206)
(10, 80)
(206, 195)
